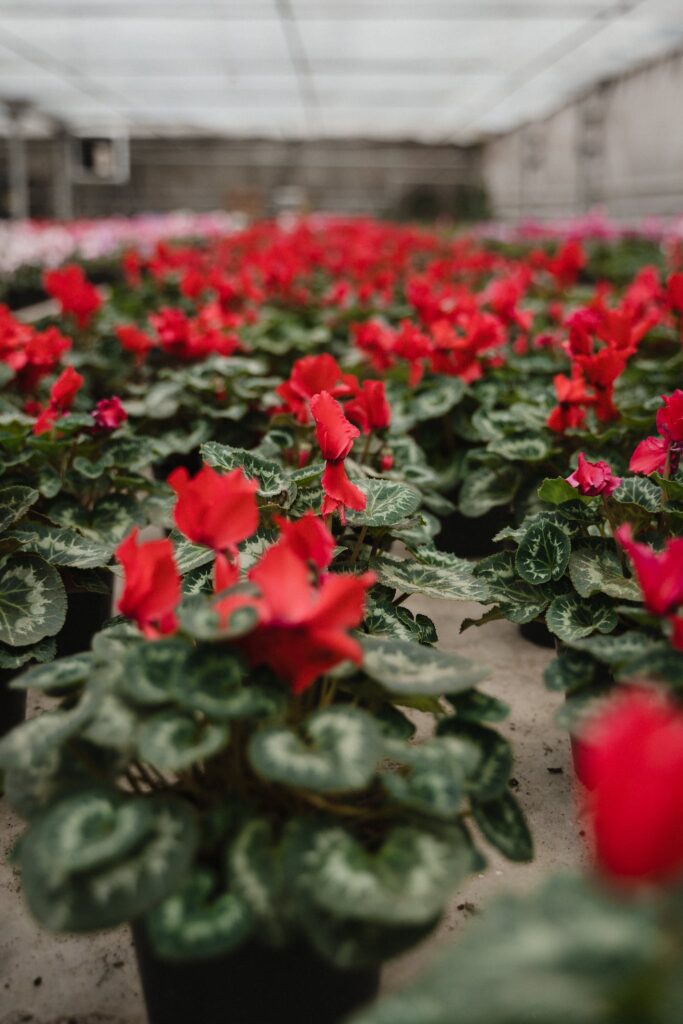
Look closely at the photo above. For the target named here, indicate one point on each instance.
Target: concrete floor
(92, 979)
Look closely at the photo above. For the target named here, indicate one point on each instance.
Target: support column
(19, 203)
(62, 194)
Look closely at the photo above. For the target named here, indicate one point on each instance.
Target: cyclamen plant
(613, 944)
(72, 483)
(240, 762)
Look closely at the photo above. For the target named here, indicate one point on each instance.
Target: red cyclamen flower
(152, 584)
(660, 574)
(335, 436)
(74, 293)
(62, 395)
(109, 414)
(213, 509)
(662, 454)
(303, 629)
(593, 478)
(309, 539)
(370, 409)
(632, 758)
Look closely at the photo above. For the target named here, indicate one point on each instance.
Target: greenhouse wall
(400, 179)
(612, 147)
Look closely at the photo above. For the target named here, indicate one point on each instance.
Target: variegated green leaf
(173, 740)
(32, 600)
(521, 448)
(199, 618)
(615, 650)
(14, 503)
(152, 673)
(15, 657)
(543, 553)
(502, 823)
(340, 752)
(61, 546)
(431, 775)
(388, 503)
(271, 478)
(406, 881)
(409, 669)
(489, 777)
(485, 488)
(596, 568)
(452, 581)
(107, 523)
(518, 601)
(254, 872)
(639, 491)
(96, 859)
(56, 676)
(198, 920)
(569, 670)
(571, 617)
(437, 399)
(215, 683)
(189, 556)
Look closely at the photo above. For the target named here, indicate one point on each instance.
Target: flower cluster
(303, 612)
(662, 454)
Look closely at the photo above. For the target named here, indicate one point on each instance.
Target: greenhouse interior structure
(341, 511)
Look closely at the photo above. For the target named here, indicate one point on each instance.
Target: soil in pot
(252, 985)
(12, 702)
(472, 538)
(537, 632)
(86, 613)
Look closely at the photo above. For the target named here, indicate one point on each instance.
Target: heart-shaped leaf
(387, 503)
(543, 553)
(571, 617)
(432, 777)
(57, 676)
(94, 861)
(198, 920)
(14, 503)
(596, 568)
(272, 480)
(173, 740)
(485, 488)
(405, 668)
(32, 600)
(489, 776)
(61, 546)
(340, 753)
(454, 581)
(406, 881)
(503, 824)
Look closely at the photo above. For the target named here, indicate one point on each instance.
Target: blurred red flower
(593, 478)
(74, 293)
(109, 414)
(152, 584)
(631, 757)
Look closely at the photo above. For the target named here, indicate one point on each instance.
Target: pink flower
(594, 478)
(109, 414)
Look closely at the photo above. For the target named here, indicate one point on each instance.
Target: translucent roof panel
(429, 70)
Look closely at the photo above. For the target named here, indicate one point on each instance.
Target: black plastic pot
(191, 461)
(537, 633)
(86, 613)
(472, 538)
(252, 985)
(12, 702)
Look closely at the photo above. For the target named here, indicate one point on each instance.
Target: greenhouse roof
(428, 70)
